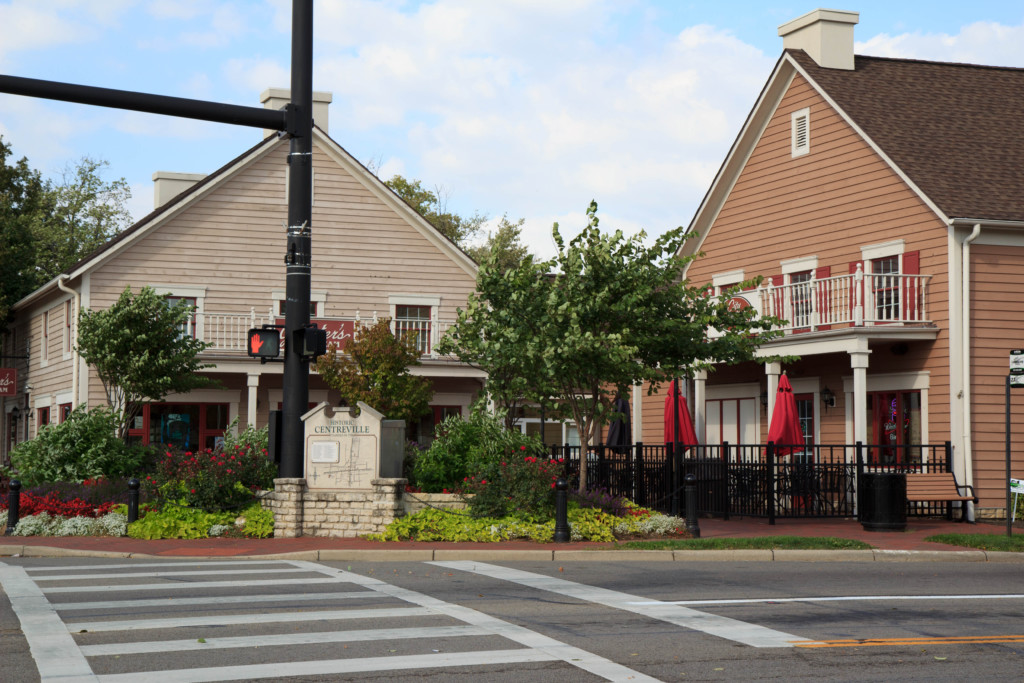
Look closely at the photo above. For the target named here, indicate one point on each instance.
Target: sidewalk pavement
(908, 545)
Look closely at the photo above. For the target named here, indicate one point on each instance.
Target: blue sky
(525, 107)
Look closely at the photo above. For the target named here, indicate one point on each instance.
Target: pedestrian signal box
(314, 342)
(264, 342)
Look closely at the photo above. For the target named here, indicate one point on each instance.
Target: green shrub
(259, 522)
(84, 446)
(177, 522)
(250, 437)
(464, 448)
(174, 521)
(521, 484)
(211, 480)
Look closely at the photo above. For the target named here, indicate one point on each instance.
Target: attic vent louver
(801, 132)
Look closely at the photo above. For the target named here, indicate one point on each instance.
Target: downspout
(965, 361)
(77, 299)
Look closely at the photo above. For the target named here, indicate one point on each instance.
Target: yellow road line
(882, 642)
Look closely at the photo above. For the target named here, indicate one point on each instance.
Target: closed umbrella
(619, 433)
(785, 426)
(687, 435)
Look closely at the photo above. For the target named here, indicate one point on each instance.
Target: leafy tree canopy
(23, 195)
(140, 351)
(606, 312)
(504, 243)
(47, 227)
(373, 367)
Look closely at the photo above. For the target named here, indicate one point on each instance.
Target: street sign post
(1014, 379)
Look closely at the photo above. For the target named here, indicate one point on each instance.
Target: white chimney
(167, 185)
(824, 34)
(277, 98)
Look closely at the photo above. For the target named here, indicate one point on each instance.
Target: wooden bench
(939, 486)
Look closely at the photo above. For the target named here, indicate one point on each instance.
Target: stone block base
(346, 514)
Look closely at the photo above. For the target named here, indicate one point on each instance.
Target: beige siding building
(882, 201)
(218, 242)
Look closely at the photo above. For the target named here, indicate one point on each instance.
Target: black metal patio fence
(752, 480)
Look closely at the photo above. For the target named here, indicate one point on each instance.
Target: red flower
(522, 448)
(193, 490)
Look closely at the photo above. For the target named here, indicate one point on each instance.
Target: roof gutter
(76, 297)
(965, 361)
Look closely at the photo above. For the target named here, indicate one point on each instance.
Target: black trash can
(883, 501)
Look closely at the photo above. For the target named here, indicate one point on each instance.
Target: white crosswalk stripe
(62, 634)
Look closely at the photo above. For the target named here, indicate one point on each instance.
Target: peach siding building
(882, 200)
(218, 241)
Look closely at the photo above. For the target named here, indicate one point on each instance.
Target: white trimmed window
(800, 132)
(317, 303)
(66, 337)
(44, 351)
(194, 296)
(415, 316)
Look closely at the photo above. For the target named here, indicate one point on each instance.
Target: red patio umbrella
(785, 426)
(687, 435)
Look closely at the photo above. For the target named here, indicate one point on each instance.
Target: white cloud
(31, 26)
(982, 42)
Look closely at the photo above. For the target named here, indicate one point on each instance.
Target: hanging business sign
(1017, 368)
(338, 331)
(8, 381)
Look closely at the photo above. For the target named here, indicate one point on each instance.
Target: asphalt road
(217, 620)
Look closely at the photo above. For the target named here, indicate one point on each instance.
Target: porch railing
(856, 299)
(226, 332)
(749, 479)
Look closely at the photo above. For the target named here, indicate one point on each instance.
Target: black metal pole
(691, 506)
(298, 254)
(562, 532)
(133, 500)
(13, 503)
(676, 455)
(182, 107)
(1009, 517)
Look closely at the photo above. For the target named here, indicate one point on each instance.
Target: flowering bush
(465, 447)
(211, 480)
(602, 500)
(524, 484)
(50, 504)
(94, 490)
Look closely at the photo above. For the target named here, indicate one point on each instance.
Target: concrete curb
(540, 555)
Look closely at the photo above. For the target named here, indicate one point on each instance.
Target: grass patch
(758, 543)
(1012, 544)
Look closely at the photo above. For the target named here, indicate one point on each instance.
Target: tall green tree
(605, 313)
(433, 205)
(141, 351)
(373, 367)
(83, 212)
(504, 244)
(46, 227)
(23, 198)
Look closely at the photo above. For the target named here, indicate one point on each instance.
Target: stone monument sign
(346, 451)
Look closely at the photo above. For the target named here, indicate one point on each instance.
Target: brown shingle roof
(956, 130)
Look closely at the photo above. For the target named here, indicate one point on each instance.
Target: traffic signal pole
(298, 254)
(297, 121)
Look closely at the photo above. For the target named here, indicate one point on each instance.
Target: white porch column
(638, 412)
(773, 370)
(700, 378)
(859, 363)
(253, 382)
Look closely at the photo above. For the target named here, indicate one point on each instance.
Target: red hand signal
(255, 343)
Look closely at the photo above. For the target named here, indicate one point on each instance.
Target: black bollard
(133, 500)
(562, 534)
(691, 506)
(13, 503)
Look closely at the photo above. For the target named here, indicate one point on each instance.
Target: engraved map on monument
(352, 469)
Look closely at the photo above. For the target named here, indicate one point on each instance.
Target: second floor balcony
(855, 300)
(227, 332)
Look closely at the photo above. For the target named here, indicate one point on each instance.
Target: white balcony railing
(857, 299)
(227, 331)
